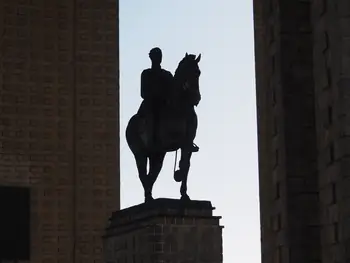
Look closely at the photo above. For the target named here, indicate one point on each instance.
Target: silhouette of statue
(170, 101)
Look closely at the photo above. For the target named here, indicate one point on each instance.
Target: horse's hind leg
(155, 166)
(141, 162)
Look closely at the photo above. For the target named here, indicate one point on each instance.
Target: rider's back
(156, 91)
(156, 85)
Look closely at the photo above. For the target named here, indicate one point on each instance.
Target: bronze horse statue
(176, 130)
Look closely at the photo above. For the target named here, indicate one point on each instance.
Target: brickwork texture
(159, 234)
(59, 127)
(302, 86)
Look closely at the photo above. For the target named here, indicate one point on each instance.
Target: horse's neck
(178, 85)
(177, 80)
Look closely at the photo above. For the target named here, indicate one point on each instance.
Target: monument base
(164, 231)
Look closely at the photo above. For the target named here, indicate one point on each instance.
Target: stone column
(164, 231)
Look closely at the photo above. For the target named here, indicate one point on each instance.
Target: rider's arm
(169, 81)
(143, 84)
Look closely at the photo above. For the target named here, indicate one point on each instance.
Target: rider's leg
(191, 146)
(191, 134)
(156, 121)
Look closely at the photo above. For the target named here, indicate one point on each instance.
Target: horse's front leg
(155, 165)
(141, 162)
(184, 166)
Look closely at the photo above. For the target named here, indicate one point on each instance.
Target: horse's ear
(198, 58)
(186, 55)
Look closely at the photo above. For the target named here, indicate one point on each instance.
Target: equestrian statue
(166, 120)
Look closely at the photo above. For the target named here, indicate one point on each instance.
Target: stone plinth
(164, 231)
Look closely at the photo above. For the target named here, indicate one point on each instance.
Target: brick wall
(167, 231)
(331, 27)
(59, 120)
(286, 131)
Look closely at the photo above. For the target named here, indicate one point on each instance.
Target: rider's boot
(192, 147)
(195, 147)
(154, 138)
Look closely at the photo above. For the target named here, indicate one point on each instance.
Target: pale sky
(225, 170)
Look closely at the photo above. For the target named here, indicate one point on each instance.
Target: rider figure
(156, 86)
(156, 91)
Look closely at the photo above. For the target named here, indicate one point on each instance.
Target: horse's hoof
(178, 176)
(185, 197)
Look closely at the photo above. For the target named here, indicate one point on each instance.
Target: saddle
(167, 133)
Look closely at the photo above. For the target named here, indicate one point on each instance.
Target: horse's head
(187, 78)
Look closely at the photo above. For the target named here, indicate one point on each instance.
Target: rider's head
(156, 55)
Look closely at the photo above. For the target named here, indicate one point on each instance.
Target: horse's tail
(133, 136)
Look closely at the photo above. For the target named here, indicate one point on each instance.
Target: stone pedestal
(164, 231)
